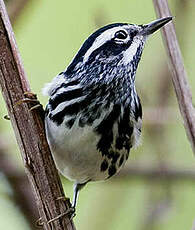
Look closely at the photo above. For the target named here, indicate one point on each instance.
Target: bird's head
(113, 49)
(103, 71)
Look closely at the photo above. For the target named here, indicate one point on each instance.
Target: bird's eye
(121, 34)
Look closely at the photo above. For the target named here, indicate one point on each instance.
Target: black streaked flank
(86, 107)
(69, 110)
(104, 143)
(64, 85)
(110, 154)
(115, 158)
(113, 155)
(89, 115)
(65, 96)
(104, 165)
(108, 122)
(125, 130)
(104, 129)
(119, 143)
(70, 123)
(111, 170)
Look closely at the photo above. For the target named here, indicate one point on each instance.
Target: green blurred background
(156, 188)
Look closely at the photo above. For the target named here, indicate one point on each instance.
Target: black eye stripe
(121, 34)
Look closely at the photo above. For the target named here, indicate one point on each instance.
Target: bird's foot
(70, 212)
(71, 209)
(30, 98)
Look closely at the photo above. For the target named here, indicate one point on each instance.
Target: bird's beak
(155, 25)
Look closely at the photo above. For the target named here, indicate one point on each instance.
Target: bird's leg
(77, 188)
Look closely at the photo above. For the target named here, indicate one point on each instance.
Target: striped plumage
(93, 117)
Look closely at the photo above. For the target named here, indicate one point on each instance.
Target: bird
(93, 117)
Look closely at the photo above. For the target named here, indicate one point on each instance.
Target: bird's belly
(75, 153)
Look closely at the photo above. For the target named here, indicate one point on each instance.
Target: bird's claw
(69, 212)
(6, 117)
(39, 222)
(71, 209)
(29, 98)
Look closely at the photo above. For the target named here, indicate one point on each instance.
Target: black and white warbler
(94, 115)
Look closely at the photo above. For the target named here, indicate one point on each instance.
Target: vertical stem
(179, 75)
(29, 131)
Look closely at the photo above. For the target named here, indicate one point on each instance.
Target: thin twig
(179, 75)
(29, 131)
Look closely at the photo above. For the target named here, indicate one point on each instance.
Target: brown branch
(179, 75)
(29, 131)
